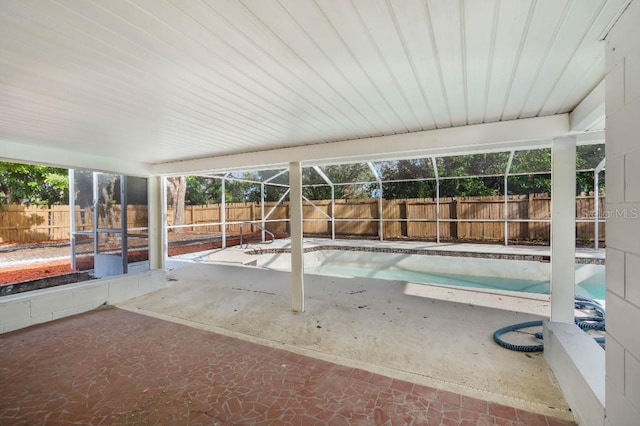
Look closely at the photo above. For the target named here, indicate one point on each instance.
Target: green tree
(395, 171)
(358, 174)
(28, 184)
(202, 190)
(588, 157)
(525, 168)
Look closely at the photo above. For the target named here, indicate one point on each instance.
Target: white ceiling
(155, 81)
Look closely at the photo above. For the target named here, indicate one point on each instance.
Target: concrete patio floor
(363, 323)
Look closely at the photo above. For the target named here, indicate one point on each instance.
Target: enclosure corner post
(297, 255)
(223, 213)
(157, 212)
(563, 228)
(72, 217)
(262, 222)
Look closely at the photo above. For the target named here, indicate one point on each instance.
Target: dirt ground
(26, 262)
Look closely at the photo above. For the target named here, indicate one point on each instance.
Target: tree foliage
(27, 184)
(459, 176)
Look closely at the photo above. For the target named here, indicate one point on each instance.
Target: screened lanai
(502, 197)
(400, 93)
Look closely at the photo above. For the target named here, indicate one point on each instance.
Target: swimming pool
(503, 274)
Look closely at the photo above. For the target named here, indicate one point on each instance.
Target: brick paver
(112, 366)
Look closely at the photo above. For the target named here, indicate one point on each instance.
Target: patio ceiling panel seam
(570, 38)
(412, 65)
(492, 52)
(312, 54)
(574, 73)
(155, 45)
(109, 110)
(438, 61)
(253, 97)
(188, 105)
(478, 17)
(518, 59)
(323, 84)
(536, 75)
(512, 18)
(398, 91)
(360, 74)
(314, 93)
(222, 59)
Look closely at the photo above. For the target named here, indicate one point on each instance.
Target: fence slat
(404, 218)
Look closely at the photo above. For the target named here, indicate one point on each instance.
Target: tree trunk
(177, 190)
(106, 197)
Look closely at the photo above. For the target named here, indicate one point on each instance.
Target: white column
(563, 228)
(223, 213)
(262, 222)
(295, 222)
(157, 207)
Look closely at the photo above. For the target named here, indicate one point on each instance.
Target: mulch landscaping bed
(179, 244)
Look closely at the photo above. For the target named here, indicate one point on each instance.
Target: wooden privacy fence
(33, 223)
(461, 218)
(27, 224)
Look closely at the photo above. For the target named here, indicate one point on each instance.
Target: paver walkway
(112, 366)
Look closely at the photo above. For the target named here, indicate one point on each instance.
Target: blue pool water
(593, 287)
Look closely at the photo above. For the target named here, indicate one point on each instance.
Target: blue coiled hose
(596, 322)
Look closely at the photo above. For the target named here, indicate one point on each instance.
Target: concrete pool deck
(374, 325)
(246, 254)
(532, 303)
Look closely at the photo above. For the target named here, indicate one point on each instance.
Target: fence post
(453, 214)
(529, 216)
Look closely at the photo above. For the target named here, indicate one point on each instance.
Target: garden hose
(596, 322)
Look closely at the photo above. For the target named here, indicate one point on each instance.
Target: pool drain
(594, 322)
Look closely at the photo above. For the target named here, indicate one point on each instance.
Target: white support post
(596, 210)
(72, 217)
(223, 211)
(505, 212)
(506, 199)
(435, 171)
(262, 211)
(124, 240)
(157, 211)
(380, 203)
(596, 203)
(295, 222)
(563, 228)
(96, 195)
(333, 212)
(380, 213)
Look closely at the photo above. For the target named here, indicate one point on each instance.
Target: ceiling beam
(589, 112)
(19, 152)
(590, 138)
(525, 133)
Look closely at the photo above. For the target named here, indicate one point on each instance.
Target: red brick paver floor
(112, 366)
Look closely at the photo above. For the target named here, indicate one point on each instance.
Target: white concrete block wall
(578, 364)
(35, 307)
(623, 229)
